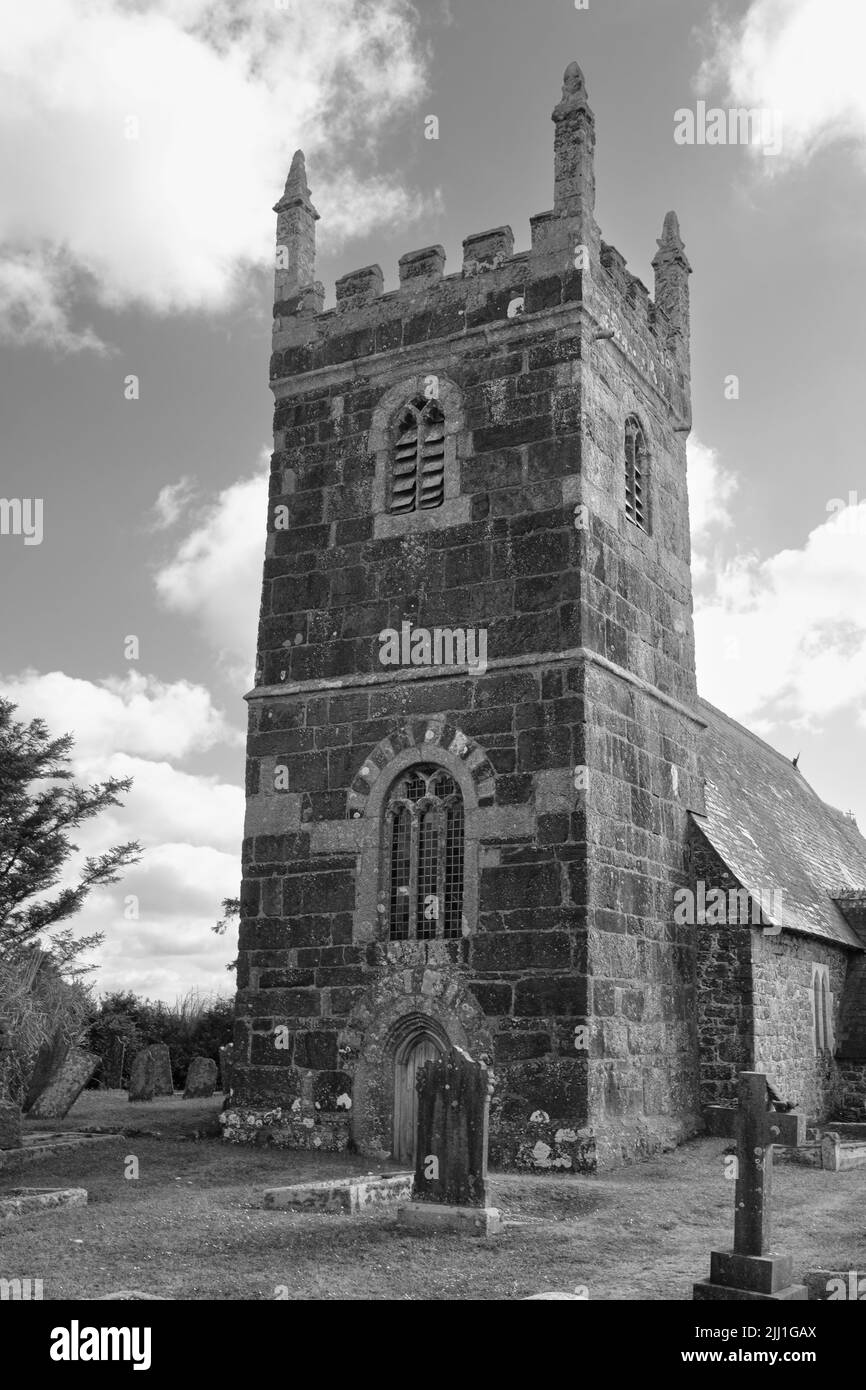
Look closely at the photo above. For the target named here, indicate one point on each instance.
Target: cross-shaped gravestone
(750, 1271)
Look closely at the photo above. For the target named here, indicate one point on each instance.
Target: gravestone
(226, 1054)
(750, 1271)
(10, 1114)
(49, 1060)
(200, 1079)
(10, 1125)
(163, 1084)
(142, 1076)
(65, 1085)
(114, 1064)
(449, 1191)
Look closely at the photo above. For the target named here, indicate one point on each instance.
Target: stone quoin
(504, 448)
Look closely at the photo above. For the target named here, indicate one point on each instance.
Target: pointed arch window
(636, 474)
(424, 856)
(417, 480)
(822, 1010)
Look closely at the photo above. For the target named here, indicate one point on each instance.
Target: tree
(40, 805)
(232, 910)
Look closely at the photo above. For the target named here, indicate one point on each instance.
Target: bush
(39, 1010)
(196, 1025)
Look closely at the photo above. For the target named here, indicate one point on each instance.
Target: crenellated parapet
(568, 269)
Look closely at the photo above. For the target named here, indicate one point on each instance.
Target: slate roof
(773, 831)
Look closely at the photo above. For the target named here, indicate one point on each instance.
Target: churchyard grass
(191, 1227)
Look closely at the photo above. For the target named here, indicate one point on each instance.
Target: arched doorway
(420, 1041)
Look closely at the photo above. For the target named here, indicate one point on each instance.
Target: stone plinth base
(470, 1221)
(705, 1292)
(749, 1277)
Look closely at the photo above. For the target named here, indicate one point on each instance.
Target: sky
(142, 147)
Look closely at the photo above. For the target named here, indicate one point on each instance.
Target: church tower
(473, 738)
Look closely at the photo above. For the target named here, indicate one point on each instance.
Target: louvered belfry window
(418, 471)
(636, 474)
(424, 857)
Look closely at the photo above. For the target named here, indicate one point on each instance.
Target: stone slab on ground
(557, 1297)
(24, 1201)
(64, 1085)
(35, 1147)
(838, 1155)
(470, 1221)
(128, 1296)
(341, 1195)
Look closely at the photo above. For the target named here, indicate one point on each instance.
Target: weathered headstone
(749, 1271)
(10, 1114)
(10, 1125)
(200, 1079)
(163, 1084)
(113, 1074)
(49, 1060)
(65, 1085)
(226, 1055)
(142, 1075)
(450, 1186)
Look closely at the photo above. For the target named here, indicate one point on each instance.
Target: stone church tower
(446, 849)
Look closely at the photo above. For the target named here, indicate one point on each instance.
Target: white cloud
(216, 95)
(711, 490)
(802, 58)
(190, 826)
(215, 573)
(171, 503)
(783, 639)
(36, 287)
(134, 714)
(168, 805)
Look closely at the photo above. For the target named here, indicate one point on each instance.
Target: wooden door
(424, 1049)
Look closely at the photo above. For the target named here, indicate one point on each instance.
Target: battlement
(568, 268)
(494, 287)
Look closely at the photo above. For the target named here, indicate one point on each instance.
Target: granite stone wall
(755, 1004)
(575, 749)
